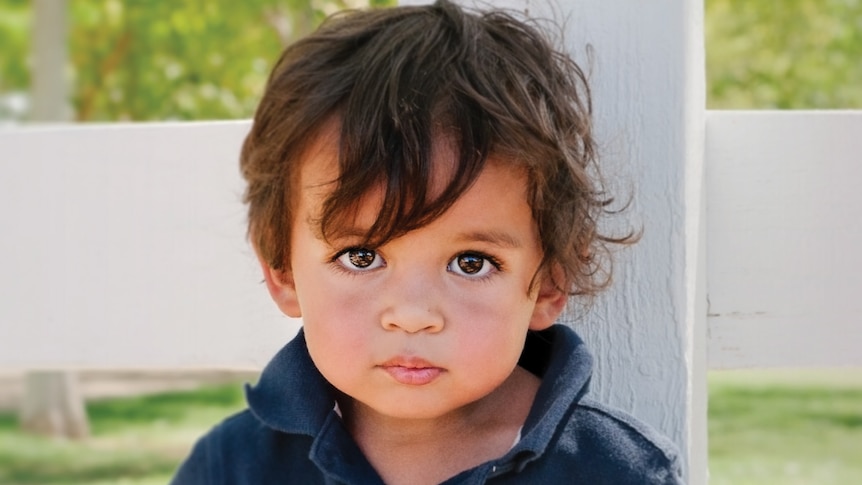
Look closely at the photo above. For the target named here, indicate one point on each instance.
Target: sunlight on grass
(785, 427)
(134, 441)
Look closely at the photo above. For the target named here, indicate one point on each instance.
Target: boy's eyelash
(337, 253)
(491, 259)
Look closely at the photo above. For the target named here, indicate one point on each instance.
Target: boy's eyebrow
(497, 238)
(341, 232)
(502, 239)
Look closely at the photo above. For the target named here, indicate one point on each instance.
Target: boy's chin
(403, 411)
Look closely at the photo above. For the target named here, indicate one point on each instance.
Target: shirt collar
(565, 380)
(293, 397)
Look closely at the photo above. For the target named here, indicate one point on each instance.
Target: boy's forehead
(320, 165)
(319, 161)
(377, 199)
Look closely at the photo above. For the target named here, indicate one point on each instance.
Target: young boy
(422, 192)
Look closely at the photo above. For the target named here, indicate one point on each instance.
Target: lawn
(798, 427)
(134, 441)
(776, 427)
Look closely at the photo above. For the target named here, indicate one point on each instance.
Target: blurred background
(197, 59)
(137, 60)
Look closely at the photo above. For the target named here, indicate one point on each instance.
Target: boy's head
(396, 83)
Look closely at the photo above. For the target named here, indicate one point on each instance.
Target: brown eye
(360, 259)
(471, 265)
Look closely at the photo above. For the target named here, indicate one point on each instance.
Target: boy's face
(434, 319)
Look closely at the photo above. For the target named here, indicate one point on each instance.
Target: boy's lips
(412, 371)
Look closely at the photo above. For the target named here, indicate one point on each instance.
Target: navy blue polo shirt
(290, 432)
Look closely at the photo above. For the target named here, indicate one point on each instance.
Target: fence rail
(784, 225)
(123, 246)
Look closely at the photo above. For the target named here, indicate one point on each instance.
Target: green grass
(776, 427)
(136, 441)
(785, 427)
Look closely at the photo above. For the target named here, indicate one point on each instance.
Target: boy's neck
(432, 450)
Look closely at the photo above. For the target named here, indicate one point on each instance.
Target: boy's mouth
(411, 371)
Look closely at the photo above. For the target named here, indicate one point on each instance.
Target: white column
(648, 333)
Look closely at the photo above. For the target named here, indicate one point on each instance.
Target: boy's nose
(413, 320)
(411, 307)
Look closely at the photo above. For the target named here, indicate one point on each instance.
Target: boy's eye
(471, 265)
(361, 259)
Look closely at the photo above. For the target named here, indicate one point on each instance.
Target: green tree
(196, 59)
(143, 60)
(201, 59)
(14, 44)
(793, 54)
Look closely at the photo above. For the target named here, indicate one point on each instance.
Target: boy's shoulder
(610, 446)
(244, 450)
(571, 438)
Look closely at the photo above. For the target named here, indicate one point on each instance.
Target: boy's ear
(281, 288)
(550, 302)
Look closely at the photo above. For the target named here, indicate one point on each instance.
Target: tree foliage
(793, 54)
(14, 44)
(196, 59)
(209, 59)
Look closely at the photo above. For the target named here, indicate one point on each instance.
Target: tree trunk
(53, 405)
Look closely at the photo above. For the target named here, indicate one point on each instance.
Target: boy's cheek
(325, 297)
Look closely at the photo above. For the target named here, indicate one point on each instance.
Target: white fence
(123, 246)
(785, 232)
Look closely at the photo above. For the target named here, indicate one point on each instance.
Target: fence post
(646, 65)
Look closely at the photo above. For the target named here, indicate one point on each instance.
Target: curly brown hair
(492, 82)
